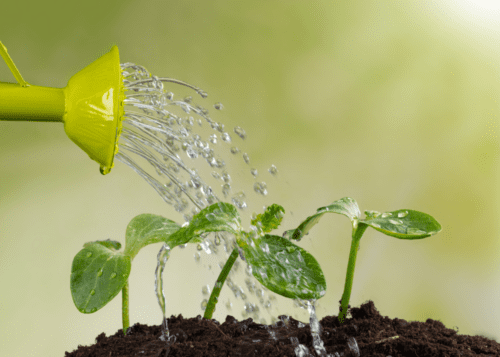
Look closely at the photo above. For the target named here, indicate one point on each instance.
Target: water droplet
(113, 275)
(375, 225)
(215, 175)
(89, 254)
(213, 139)
(234, 150)
(226, 177)
(238, 200)
(226, 188)
(246, 158)
(210, 217)
(92, 292)
(169, 95)
(226, 137)
(254, 172)
(402, 214)
(218, 106)
(205, 290)
(240, 132)
(386, 214)
(412, 230)
(197, 257)
(188, 99)
(260, 187)
(99, 273)
(394, 221)
(94, 309)
(273, 170)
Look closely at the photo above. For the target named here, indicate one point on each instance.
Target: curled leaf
(270, 219)
(346, 206)
(108, 243)
(218, 217)
(146, 229)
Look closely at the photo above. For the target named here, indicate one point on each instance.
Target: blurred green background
(391, 103)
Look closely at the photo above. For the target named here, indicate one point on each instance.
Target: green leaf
(111, 244)
(270, 219)
(403, 223)
(214, 218)
(147, 229)
(346, 206)
(284, 267)
(98, 274)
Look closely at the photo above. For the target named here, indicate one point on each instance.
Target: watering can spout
(90, 106)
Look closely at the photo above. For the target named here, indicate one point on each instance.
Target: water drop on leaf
(402, 214)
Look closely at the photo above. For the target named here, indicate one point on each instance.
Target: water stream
(167, 133)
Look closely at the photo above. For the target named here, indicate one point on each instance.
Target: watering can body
(90, 106)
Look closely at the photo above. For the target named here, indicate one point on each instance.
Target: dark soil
(374, 336)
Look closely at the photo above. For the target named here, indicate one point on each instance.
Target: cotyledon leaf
(147, 229)
(219, 217)
(111, 244)
(346, 206)
(98, 274)
(403, 223)
(284, 267)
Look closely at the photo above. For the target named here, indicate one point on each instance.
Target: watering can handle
(27, 102)
(12, 66)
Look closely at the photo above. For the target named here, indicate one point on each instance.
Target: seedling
(402, 224)
(100, 271)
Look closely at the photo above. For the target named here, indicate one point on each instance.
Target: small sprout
(99, 271)
(402, 224)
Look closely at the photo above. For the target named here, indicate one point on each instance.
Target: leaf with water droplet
(108, 243)
(409, 224)
(218, 217)
(270, 219)
(346, 206)
(146, 229)
(91, 291)
(284, 267)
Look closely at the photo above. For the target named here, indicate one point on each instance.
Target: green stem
(356, 237)
(218, 285)
(126, 322)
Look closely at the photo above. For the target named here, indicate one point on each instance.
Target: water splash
(165, 132)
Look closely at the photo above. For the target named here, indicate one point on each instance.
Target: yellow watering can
(90, 106)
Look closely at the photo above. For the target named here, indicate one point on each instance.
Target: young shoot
(100, 271)
(402, 224)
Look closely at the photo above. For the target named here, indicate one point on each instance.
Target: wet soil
(364, 333)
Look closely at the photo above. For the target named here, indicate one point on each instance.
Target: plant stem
(218, 284)
(356, 237)
(125, 318)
